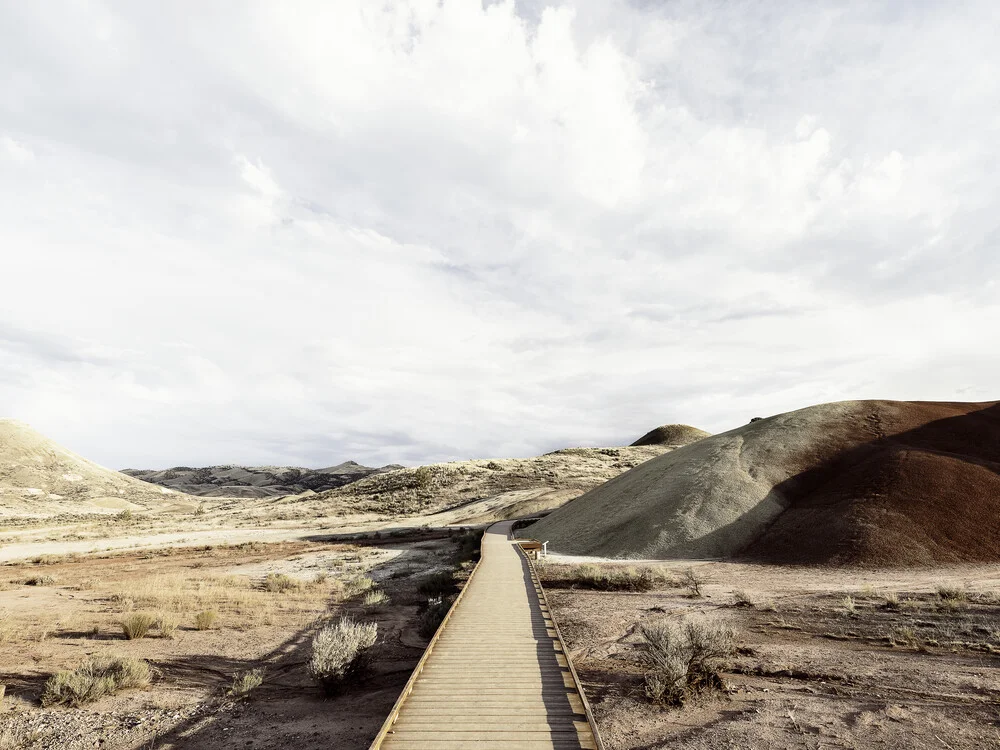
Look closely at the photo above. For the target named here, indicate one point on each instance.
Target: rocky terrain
(857, 482)
(256, 481)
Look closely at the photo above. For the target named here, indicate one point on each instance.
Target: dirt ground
(75, 612)
(827, 658)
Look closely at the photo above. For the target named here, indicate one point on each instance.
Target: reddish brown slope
(919, 485)
(854, 482)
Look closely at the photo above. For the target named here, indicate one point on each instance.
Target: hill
(672, 434)
(39, 478)
(255, 481)
(856, 482)
(482, 490)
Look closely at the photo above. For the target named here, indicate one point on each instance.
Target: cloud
(414, 231)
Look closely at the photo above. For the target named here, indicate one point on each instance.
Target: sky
(414, 231)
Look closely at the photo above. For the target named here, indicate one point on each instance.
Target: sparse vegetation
(849, 605)
(618, 578)
(340, 652)
(167, 624)
(245, 683)
(432, 615)
(422, 477)
(137, 625)
(692, 582)
(206, 620)
(280, 583)
(39, 580)
(684, 658)
(951, 593)
(94, 679)
(439, 584)
(375, 598)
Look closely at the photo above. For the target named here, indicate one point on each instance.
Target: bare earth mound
(39, 478)
(855, 482)
(672, 434)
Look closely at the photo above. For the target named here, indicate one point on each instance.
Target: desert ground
(824, 658)
(268, 599)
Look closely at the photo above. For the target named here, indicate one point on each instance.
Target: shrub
(683, 658)
(375, 598)
(742, 599)
(45, 580)
(692, 582)
(467, 546)
(892, 601)
(94, 679)
(848, 604)
(205, 620)
(245, 683)
(340, 652)
(951, 593)
(137, 625)
(167, 625)
(280, 583)
(618, 579)
(438, 585)
(432, 616)
(356, 585)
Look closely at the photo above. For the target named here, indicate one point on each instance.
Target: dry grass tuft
(375, 598)
(245, 683)
(94, 679)
(340, 652)
(137, 625)
(280, 583)
(206, 620)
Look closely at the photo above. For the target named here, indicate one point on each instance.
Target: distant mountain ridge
(255, 481)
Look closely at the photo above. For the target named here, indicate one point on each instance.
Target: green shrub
(340, 652)
(94, 679)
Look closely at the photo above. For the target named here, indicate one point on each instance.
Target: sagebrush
(94, 679)
(684, 658)
(340, 652)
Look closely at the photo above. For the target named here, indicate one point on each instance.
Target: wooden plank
(496, 674)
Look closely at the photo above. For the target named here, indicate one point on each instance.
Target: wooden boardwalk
(495, 675)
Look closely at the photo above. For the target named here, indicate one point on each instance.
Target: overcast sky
(294, 232)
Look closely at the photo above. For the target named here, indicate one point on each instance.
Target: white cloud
(420, 230)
